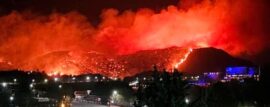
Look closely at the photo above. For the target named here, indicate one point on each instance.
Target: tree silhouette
(166, 90)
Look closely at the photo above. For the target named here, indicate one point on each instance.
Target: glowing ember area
(74, 63)
(182, 60)
(113, 66)
(127, 42)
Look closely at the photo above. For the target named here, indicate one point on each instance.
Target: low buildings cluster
(239, 73)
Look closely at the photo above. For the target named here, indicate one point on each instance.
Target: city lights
(63, 105)
(114, 96)
(4, 84)
(88, 92)
(31, 85)
(45, 80)
(87, 78)
(11, 98)
(59, 86)
(115, 92)
(33, 80)
(187, 100)
(145, 106)
(15, 80)
(56, 79)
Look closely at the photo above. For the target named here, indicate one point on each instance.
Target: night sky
(93, 8)
(90, 8)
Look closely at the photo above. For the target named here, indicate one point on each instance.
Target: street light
(4, 84)
(45, 80)
(31, 85)
(114, 97)
(60, 86)
(56, 79)
(63, 105)
(87, 78)
(187, 100)
(15, 80)
(33, 80)
(88, 92)
(115, 92)
(96, 79)
(11, 98)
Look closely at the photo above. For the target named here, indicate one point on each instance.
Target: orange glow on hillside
(127, 42)
(182, 60)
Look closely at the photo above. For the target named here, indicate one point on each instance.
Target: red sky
(30, 29)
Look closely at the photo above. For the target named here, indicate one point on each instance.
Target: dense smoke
(236, 26)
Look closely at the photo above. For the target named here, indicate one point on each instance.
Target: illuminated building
(204, 80)
(241, 72)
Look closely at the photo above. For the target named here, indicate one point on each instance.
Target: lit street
(85, 104)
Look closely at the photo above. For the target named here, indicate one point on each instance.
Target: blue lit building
(241, 72)
(231, 73)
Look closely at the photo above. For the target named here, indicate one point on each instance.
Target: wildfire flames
(114, 66)
(69, 44)
(182, 60)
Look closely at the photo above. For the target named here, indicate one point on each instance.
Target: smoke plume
(239, 27)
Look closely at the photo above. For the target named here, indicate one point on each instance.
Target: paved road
(84, 104)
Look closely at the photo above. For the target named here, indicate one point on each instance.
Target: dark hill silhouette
(211, 60)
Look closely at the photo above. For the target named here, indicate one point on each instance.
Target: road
(85, 104)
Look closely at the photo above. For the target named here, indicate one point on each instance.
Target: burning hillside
(187, 60)
(64, 62)
(126, 42)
